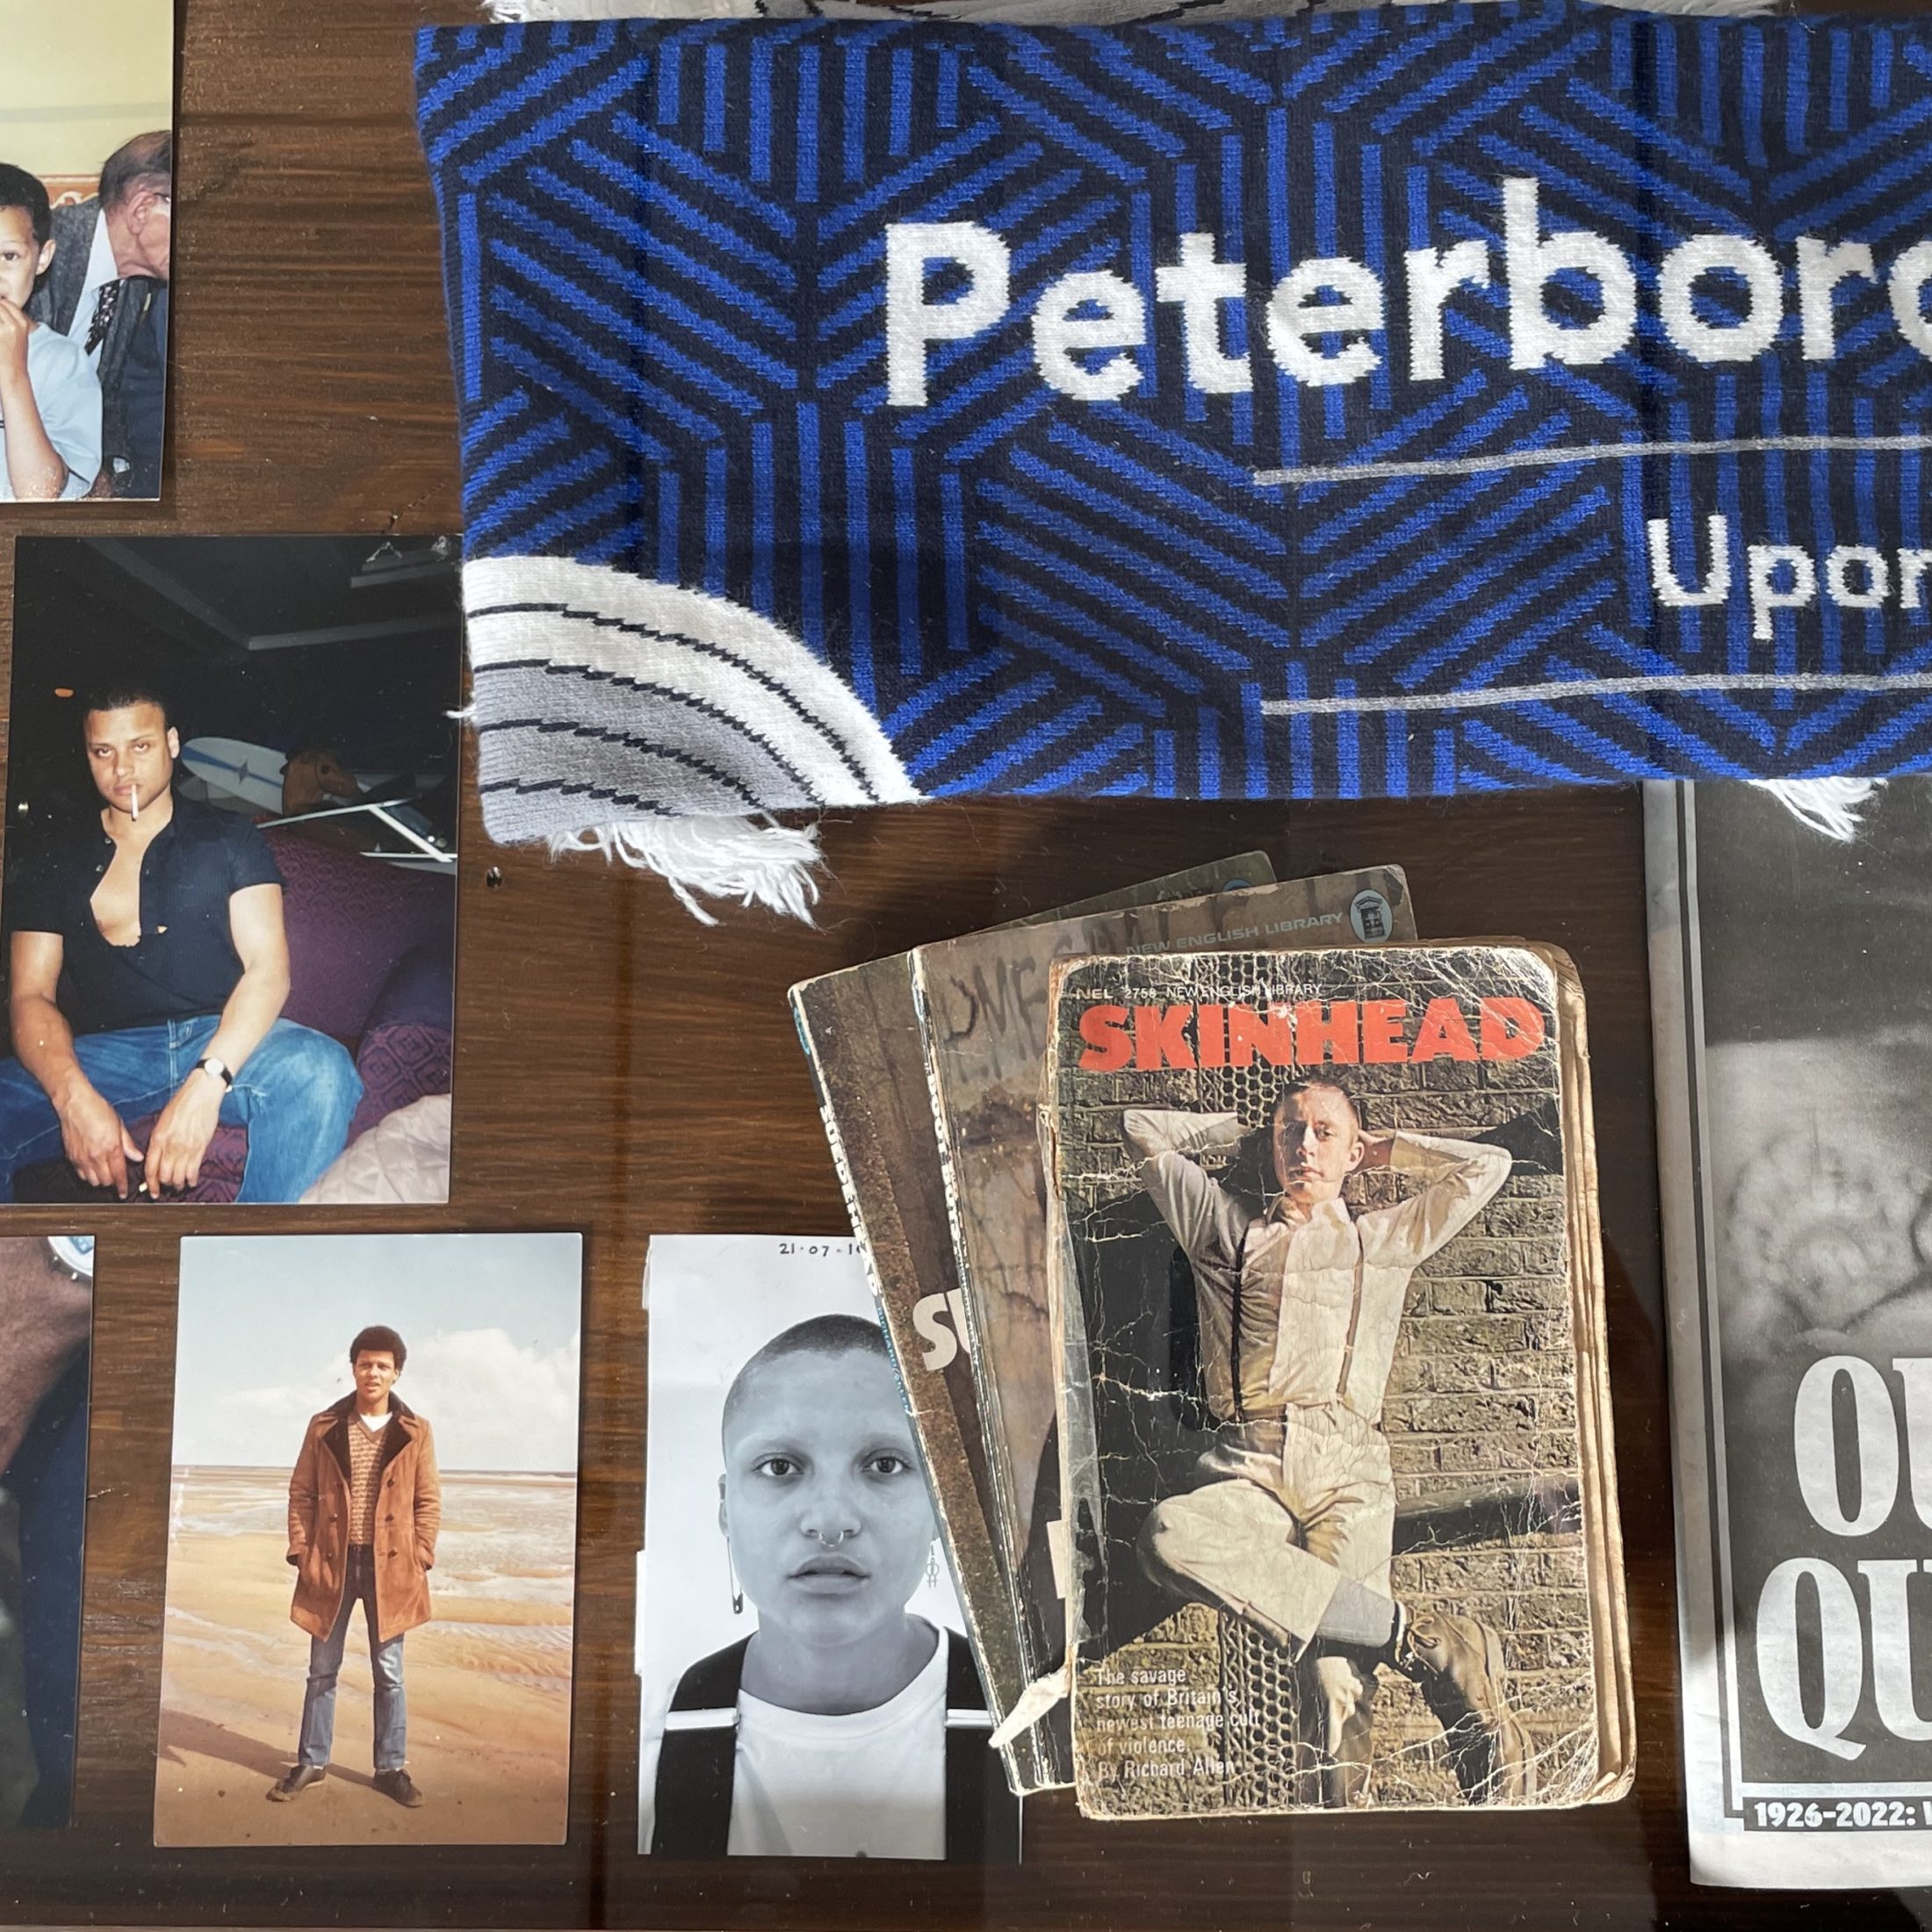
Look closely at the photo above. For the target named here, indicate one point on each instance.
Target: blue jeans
(295, 1096)
(325, 1664)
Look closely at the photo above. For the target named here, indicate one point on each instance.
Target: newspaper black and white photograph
(808, 1690)
(1794, 1095)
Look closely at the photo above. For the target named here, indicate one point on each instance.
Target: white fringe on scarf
(1828, 806)
(755, 864)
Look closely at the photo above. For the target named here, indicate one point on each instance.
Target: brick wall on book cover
(1483, 1389)
(1482, 1393)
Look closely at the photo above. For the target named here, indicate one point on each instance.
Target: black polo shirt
(185, 965)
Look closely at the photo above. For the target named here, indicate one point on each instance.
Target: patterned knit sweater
(365, 1460)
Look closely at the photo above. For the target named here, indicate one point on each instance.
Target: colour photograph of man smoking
(230, 897)
(160, 927)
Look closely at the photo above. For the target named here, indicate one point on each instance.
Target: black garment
(48, 1480)
(137, 426)
(132, 410)
(697, 1761)
(184, 964)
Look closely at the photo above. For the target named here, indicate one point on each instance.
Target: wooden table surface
(623, 1070)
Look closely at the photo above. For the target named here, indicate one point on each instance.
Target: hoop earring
(932, 1566)
(737, 1589)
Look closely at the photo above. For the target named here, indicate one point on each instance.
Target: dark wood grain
(622, 1069)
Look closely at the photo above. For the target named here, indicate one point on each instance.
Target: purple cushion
(350, 919)
(400, 1063)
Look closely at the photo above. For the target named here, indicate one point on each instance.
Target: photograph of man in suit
(107, 290)
(364, 1506)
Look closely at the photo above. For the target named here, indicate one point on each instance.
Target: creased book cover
(1794, 1128)
(985, 1023)
(860, 1029)
(1335, 1439)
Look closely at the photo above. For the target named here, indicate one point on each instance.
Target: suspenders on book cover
(700, 1749)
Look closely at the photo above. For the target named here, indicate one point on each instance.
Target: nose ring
(830, 1542)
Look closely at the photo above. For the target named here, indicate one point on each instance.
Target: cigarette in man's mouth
(136, 791)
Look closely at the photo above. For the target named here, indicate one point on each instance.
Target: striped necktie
(105, 301)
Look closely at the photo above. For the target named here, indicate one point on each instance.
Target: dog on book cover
(842, 1716)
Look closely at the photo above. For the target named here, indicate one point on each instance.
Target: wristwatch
(73, 1255)
(216, 1070)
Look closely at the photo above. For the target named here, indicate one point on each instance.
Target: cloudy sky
(490, 1322)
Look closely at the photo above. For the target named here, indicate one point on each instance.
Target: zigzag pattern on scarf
(667, 285)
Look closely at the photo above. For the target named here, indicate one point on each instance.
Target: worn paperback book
(1334, 1428)
(860, 1029)
(986, 1023)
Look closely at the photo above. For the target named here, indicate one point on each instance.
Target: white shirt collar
(101, 269)
(1335, 1210)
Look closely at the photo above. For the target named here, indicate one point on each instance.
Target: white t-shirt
(868, 1786)
(67, 394)
(375, 1424)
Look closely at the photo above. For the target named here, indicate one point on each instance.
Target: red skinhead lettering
(1160, 1037)
(1249, 1033)
(1511, 1028)
(1331, 1033)
(1211, 1035)
(1443, 1031)
(1109, 1046)
(1382, 1024)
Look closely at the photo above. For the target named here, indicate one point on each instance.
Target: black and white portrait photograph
(808, 1690)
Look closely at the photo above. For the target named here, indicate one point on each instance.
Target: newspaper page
(1794, 1102)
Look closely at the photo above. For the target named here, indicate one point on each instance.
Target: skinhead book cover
(986, 1024)
(1334, 1428)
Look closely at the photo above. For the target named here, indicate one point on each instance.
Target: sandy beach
(487, 1681)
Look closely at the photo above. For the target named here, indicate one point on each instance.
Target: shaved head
(1313, 1083)
(822, 1335)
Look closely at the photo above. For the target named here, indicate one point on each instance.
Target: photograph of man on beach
(372, 1553)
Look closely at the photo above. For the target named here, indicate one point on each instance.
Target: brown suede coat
(408, 1514)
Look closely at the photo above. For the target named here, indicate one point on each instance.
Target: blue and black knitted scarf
(1399, 402)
